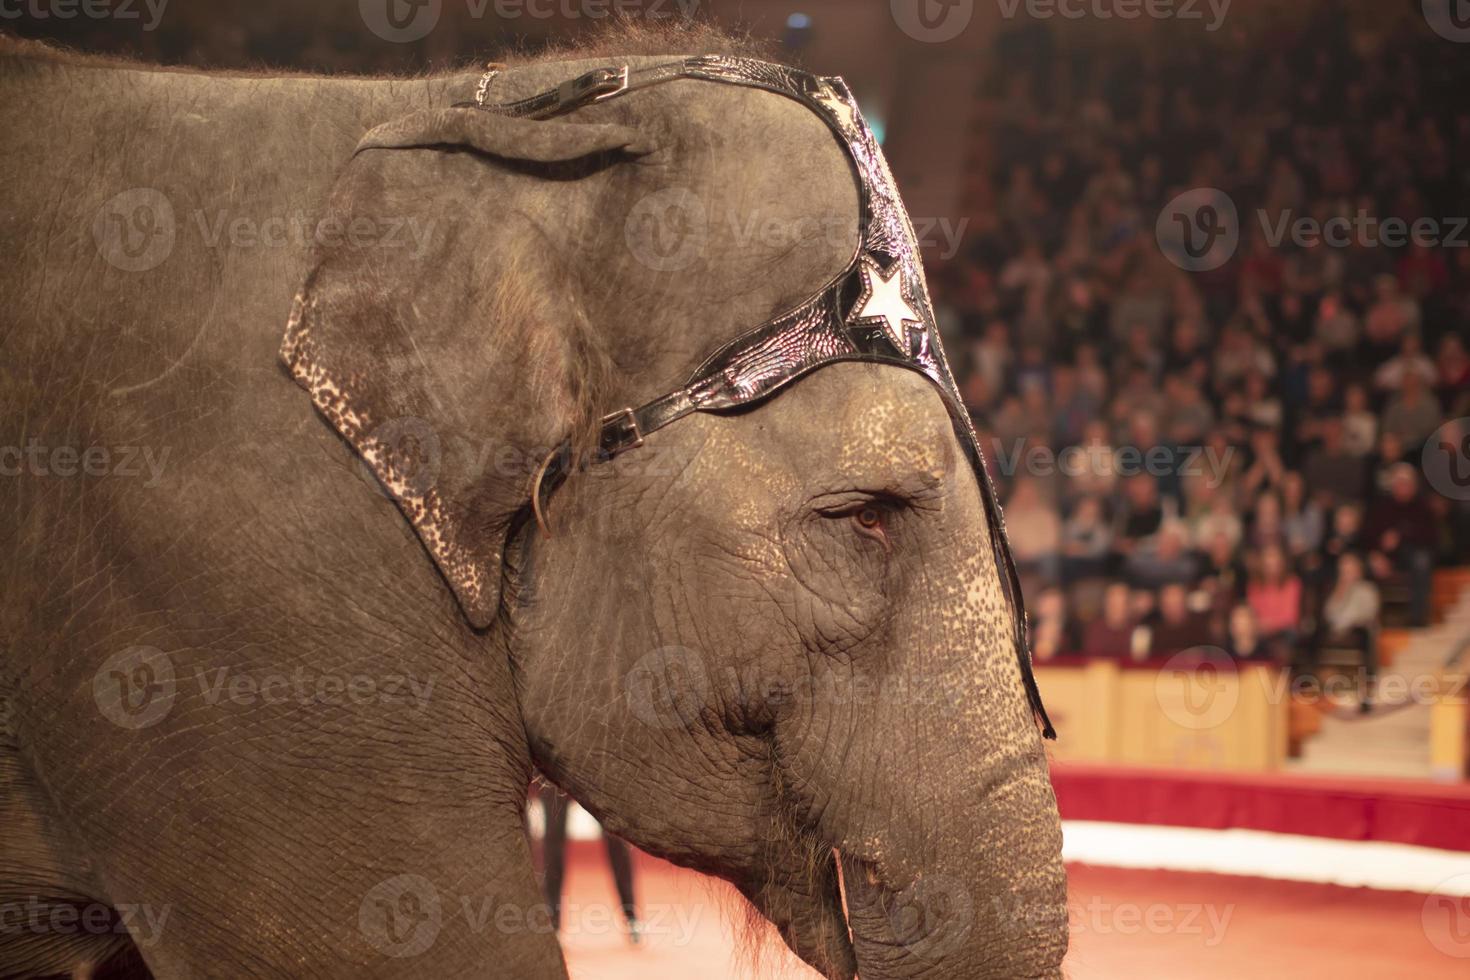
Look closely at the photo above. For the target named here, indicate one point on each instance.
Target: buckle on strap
(617, 428)
(596, 85)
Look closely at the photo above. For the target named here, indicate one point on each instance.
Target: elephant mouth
(936, 925)
(914, 928)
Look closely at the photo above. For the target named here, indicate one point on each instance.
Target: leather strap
(625, 429)
(593, 86)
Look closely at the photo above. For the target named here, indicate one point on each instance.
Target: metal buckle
(619, 82)
(631, 424)
(594, 86)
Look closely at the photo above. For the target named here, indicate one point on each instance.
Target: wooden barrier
(1449, 726)
(1168, 713)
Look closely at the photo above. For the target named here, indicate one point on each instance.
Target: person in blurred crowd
(1211, 514)
(1350, 616)
(1359, 424)
(1267, 469)
(1345, 535)
(1035, 531)
(1162, 560)
(1402, 534)
(1111, 634)
(1413, 413)
(1141, 514)
(1332, 469)
(1096, 471)
(1266, 529)
(1302, 522)
(1087, 541)
(1389, 454)
(1410, 359)
(1336, 327)
(1243, 636)
(1452, 375)
(1391, 317)
(1275, 596)
(1049, 626)
(1177, 627)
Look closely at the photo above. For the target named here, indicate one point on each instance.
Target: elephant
(289, 625)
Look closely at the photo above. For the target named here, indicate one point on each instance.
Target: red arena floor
(1126, 924)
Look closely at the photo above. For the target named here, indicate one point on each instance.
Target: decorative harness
(876, 310)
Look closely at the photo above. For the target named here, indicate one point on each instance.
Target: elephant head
(773, 644)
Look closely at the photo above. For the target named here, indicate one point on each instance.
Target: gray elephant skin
(254, 723)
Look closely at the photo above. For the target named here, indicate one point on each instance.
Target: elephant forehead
(870, 421)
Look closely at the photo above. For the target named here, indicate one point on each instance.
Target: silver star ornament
(884, 300)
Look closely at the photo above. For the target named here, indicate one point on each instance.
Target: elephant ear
(434, 330)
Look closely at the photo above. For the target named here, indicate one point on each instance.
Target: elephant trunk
(983, 896)
(937, 797)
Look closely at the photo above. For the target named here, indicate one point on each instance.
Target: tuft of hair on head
(630, 36)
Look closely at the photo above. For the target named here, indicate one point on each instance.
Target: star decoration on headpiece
(885, 301)
(844, 110)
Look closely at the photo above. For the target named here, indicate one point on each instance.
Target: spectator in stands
(1350, 617)
(1265, 527)
(1275, 596)
(1267, 469)
(1035, 531)
(1390, 453)
(1392, 316)
(1359, 424)
(1402, 534)
(1320, 401)
(1413, 413)
(1096, 473)
(1211, 514)
(1049, 627)
(1263, 409)
(1162, 560)
(1111, 634)
(1452, 375)
(1337, 327)
(1410, 359)
(1178, 627)
(1141, 514)
(1243, 636)
(1087, 542)
(1301, 519)
(1332, 470)
(1343, 537)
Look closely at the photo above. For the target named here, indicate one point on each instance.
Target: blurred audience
(1245, 442)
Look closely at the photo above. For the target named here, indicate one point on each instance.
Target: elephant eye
(871, 521)
(869, 517)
